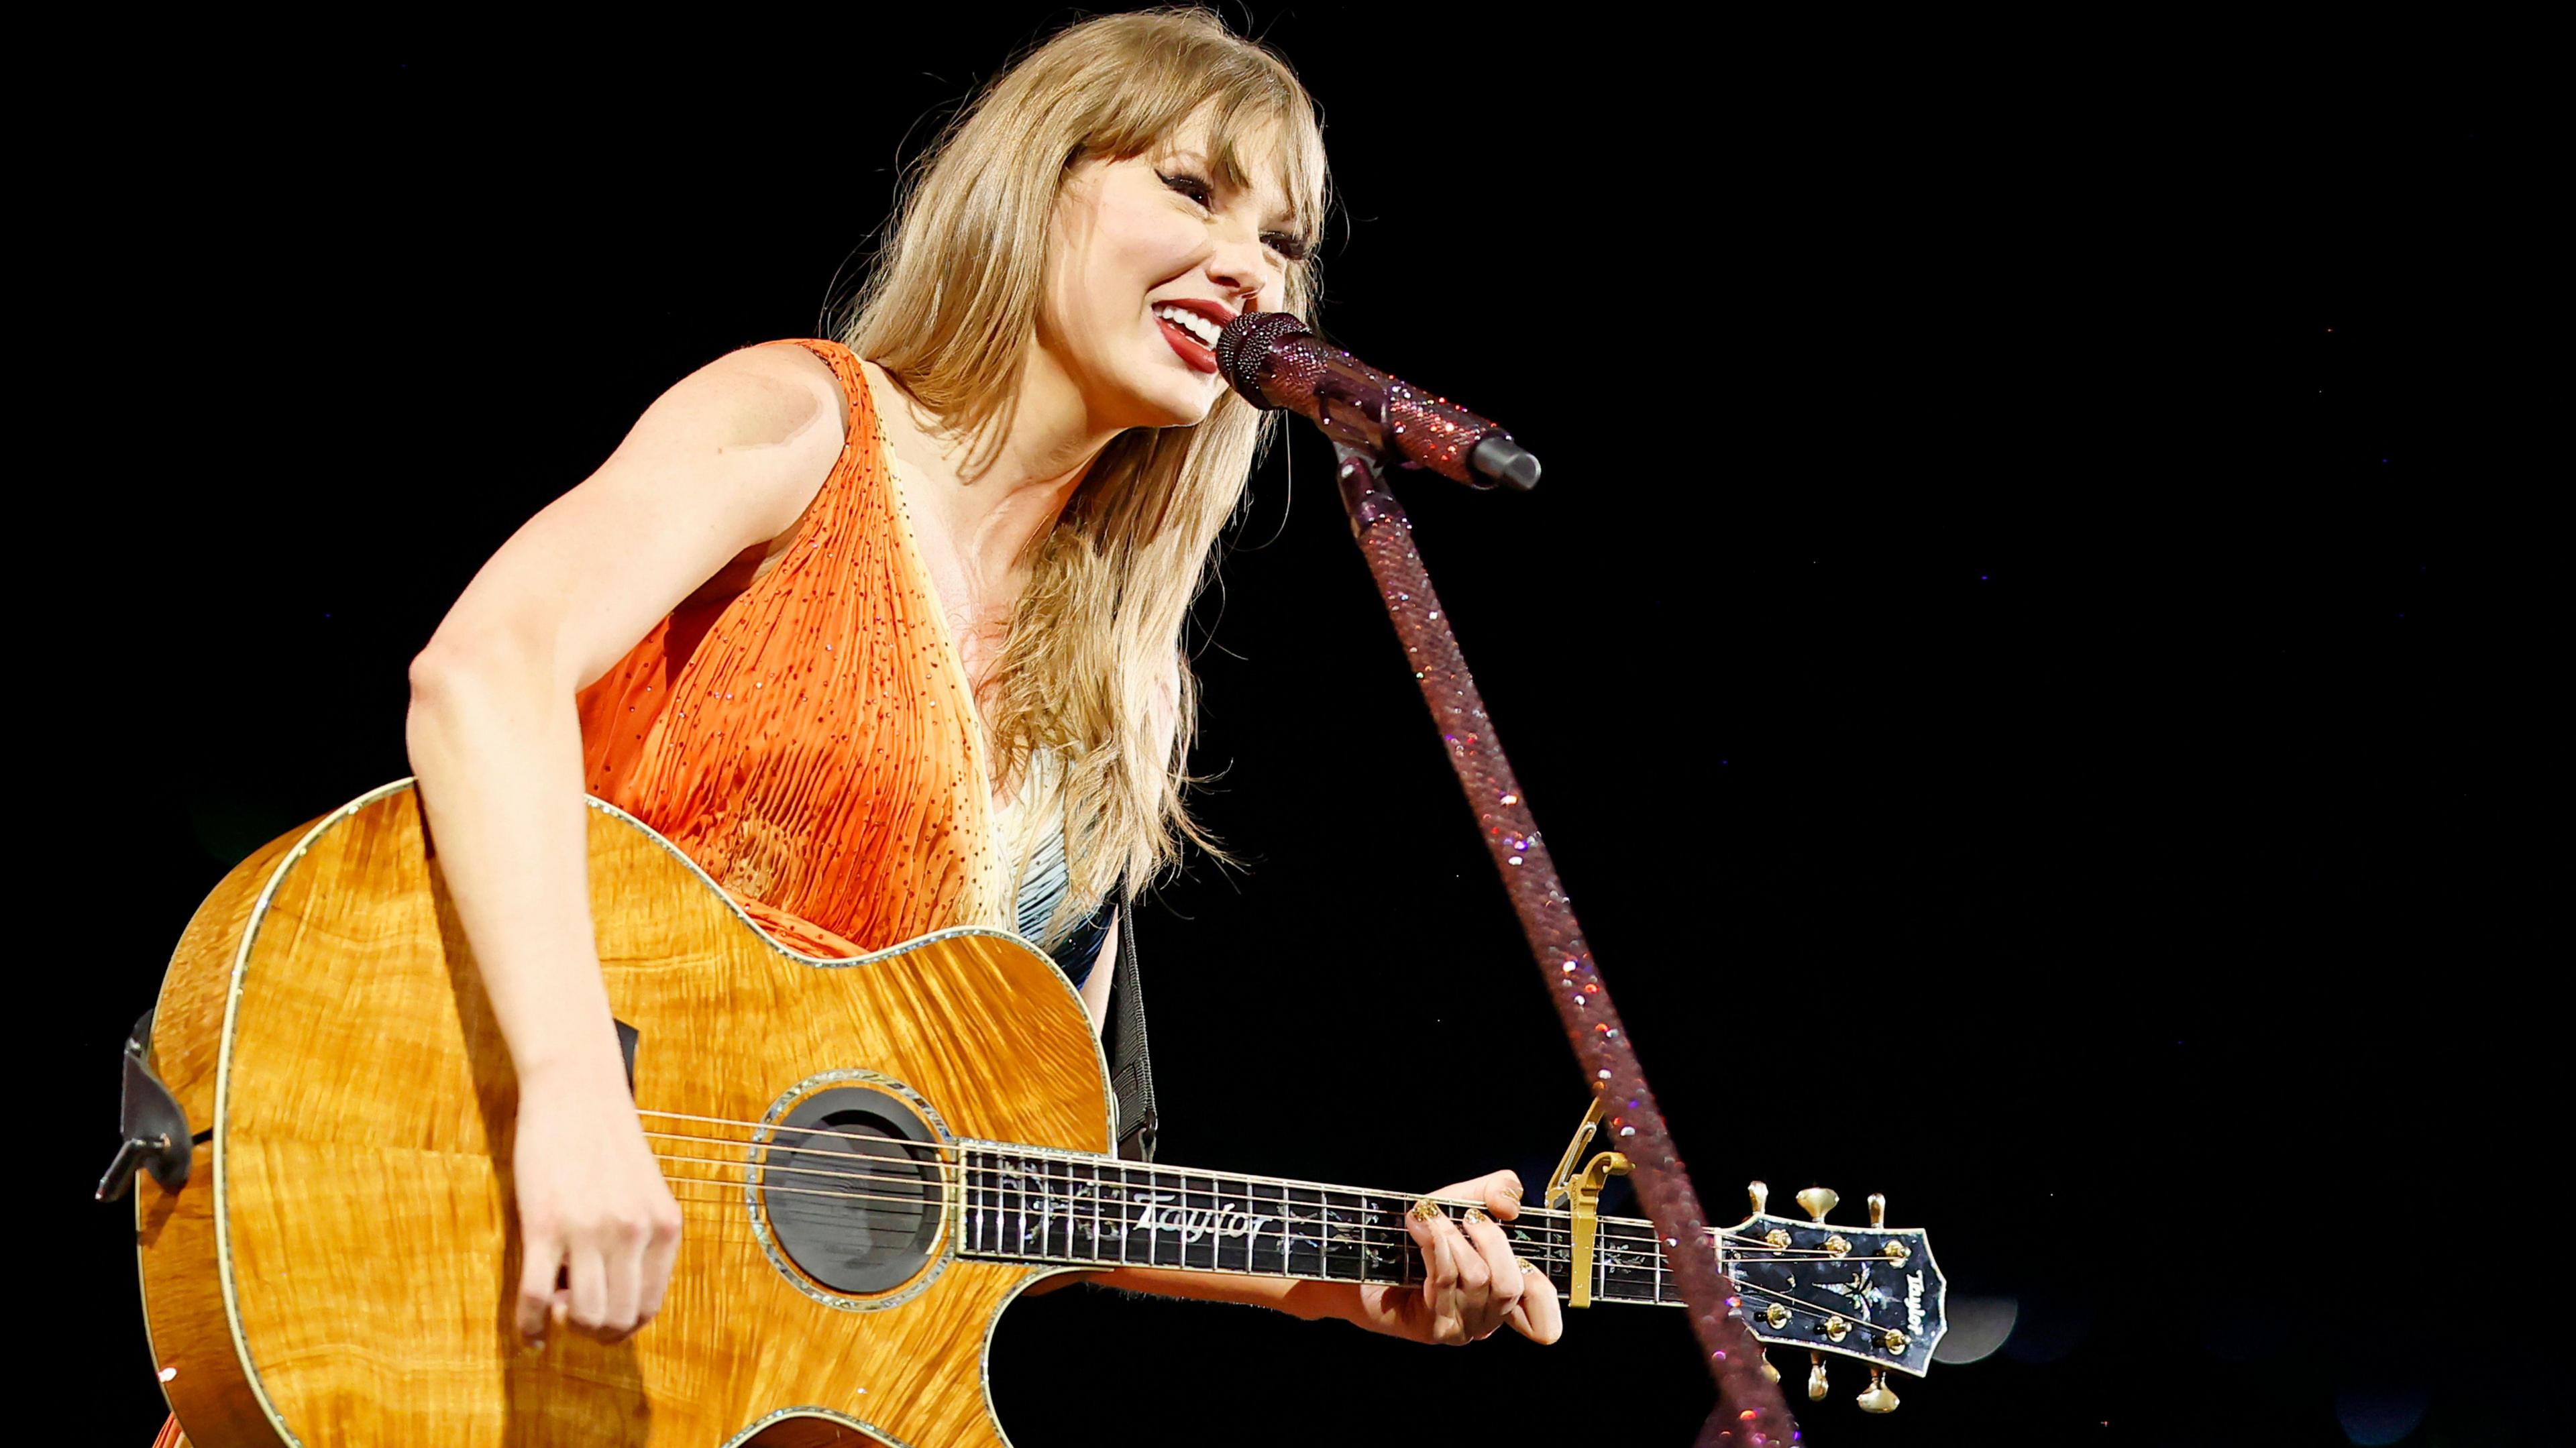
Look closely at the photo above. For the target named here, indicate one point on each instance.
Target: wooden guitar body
(340, 1267)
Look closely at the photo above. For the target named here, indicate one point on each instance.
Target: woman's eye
(1197, 190)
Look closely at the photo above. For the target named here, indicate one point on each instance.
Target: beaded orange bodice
(811, 741)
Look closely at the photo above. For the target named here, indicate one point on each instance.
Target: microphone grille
(1244, 344)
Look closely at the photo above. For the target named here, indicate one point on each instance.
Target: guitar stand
(1751, 1410)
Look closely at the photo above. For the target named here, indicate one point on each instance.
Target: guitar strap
(1131, 1070)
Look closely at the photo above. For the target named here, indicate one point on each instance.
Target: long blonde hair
(1093, 673)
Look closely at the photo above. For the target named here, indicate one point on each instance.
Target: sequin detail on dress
(810, 741)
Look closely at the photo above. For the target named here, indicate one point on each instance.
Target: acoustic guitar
(873, 1158)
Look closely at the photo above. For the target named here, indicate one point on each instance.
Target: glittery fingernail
(1477, 1214)
(1425, 1210)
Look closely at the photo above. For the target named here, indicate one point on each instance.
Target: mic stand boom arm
(1750, 1410)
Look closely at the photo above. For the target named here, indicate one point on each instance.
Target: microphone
(1274, 361)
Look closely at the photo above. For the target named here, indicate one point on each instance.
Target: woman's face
(1156, 228)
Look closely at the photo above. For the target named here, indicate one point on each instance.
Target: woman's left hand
(1472, 1282)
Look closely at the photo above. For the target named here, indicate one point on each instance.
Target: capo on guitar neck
(154, 1128)
(1584, 1192)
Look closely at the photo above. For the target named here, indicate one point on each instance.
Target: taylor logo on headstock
(1833, 1289)
(1808, 1284)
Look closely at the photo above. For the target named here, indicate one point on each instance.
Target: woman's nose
(1240, 270)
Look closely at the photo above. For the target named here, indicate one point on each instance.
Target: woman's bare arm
(1095, 986)
(724, 461)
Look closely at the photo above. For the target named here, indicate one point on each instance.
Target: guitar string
(903, 1153)
(1546, 1222)
(1531, 1227)
(1749, 1290)
(1535, 1222)
(1546, 1232)
(1070, 1221)
(741, 1238)
(940, 1207)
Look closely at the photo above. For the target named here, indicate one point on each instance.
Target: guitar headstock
(1865, 1292)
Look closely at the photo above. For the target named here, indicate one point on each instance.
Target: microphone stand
(1751, 1412)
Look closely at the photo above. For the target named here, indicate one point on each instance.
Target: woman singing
(884, 631)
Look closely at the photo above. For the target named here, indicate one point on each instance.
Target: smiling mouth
(1190, 349)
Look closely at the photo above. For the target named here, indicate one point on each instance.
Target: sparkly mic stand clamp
(1273, 361)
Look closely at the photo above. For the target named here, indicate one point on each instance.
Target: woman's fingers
(589, 1286)
(660, 1254)
(1517, 1293)
(537, 1271)
(1502, 1273)
(1442, 1256)
(1475, 1269)
(623, 1255)
(1538, 1316)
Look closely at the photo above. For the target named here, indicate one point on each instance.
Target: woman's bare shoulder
(799, 380)
(711, 476)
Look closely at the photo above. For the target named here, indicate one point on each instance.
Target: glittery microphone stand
(1750, 1410)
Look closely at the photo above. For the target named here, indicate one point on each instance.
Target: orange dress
(811, 741)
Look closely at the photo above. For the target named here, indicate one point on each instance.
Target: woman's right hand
(596, 1218)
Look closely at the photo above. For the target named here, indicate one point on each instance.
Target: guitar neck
(1041, 1206)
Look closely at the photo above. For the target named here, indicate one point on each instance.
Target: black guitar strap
(1131, 1070)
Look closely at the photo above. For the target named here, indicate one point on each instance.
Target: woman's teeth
(1191, 322)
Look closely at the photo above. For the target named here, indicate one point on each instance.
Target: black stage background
(2026, 654)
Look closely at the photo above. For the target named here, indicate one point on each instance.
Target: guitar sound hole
(852, 1190)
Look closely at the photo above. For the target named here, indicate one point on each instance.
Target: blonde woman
(885, 630)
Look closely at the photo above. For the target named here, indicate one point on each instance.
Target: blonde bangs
(1093, 674)
(1244, 104)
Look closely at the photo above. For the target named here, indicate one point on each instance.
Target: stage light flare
(1978, 1326)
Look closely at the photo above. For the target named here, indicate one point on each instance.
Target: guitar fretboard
(1027, 1204)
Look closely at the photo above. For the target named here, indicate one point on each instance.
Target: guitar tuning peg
(1816, 1377)
(1818, 1201)
(1878, 1209)
(1760, 1192)
(1878, 1397)
(1770, 1369)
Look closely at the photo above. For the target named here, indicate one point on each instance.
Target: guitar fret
(1287, 1207)
(1034, 1209)
(1167, 1238)
(1068, 1194)
(1022, 1245)
(1126, 1213)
